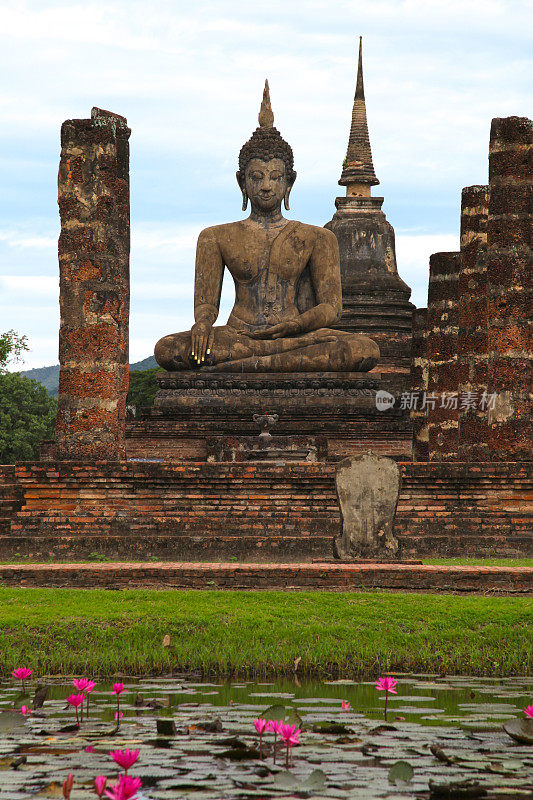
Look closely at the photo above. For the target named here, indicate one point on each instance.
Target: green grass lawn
(260, 634)
(98, 558)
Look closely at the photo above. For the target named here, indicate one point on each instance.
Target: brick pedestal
(93, 201)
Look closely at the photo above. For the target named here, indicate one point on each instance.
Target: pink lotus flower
(117, 689)
(25, 710)
(22, 674)
(274, 725)
(89, 686)
(291, 736)
(386, 685)
(100, 784)
(126, 788)
(345, 706)
(260, 726)
(125, 758)
(67, 786)
(80, 684)
(76, 700)
(528, 711)
(89, 748)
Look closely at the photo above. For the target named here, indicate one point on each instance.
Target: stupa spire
(358, 170)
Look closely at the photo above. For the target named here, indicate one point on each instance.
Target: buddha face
(266, 185)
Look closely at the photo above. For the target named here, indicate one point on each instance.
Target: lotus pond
(443, 738)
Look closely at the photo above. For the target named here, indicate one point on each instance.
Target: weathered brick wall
(255, 511)
(509, 282)
(387, 434)
(338, 576)
(419, 384)
(472, 343)
(10, 497)
(442, 323)
(93, 196)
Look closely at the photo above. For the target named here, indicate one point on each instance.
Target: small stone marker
(367, 487)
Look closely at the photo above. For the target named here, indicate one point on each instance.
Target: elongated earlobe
(286, 199)
(243, 190)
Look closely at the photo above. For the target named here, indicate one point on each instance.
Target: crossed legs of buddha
(323, 350)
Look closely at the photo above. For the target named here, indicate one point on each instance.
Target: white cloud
(412, 255)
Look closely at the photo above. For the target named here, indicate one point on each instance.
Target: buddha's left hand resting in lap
(287, 282)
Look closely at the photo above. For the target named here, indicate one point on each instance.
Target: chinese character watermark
(423, 401)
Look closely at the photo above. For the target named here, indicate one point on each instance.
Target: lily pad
(521, 730)
(288, 714)
(10, 721)
(315, 782)
(401, 772)
(458, 790)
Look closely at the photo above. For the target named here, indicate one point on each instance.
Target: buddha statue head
(266, 164)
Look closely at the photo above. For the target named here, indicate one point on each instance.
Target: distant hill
(49, 376)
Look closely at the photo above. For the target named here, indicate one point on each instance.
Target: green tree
(27, 412)
(27, 417)
(11, 347)
(143, 387)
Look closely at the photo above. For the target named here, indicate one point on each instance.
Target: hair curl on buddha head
(266, 143)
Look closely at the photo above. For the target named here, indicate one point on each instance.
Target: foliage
(261, 634)
(143, 387)
(11, 348)
(27, 416)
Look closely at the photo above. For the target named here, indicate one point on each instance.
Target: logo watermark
(384, 400)
(422, 401)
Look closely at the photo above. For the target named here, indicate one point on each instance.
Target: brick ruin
(478, 344)
(466, 482)
(94, 247)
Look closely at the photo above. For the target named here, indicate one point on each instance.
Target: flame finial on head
(266, 115)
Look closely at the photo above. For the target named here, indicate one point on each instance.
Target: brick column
(93, 197)
(472, 335)
(509, 279)
(442, 354)
(419, 383)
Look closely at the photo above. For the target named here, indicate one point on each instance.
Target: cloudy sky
(189, 77)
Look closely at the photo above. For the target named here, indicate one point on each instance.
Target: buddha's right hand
(202, 335)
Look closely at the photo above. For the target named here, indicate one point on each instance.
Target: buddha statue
(287, 281)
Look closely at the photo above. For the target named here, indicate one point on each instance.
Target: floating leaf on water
(458, 790)
(288, 714)
(383, 728)
(10, 720)
(239, 753)
(315, 782)
(521, 730)
(165, 727)
(336, 728)
(285, 780)
(401, 771)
